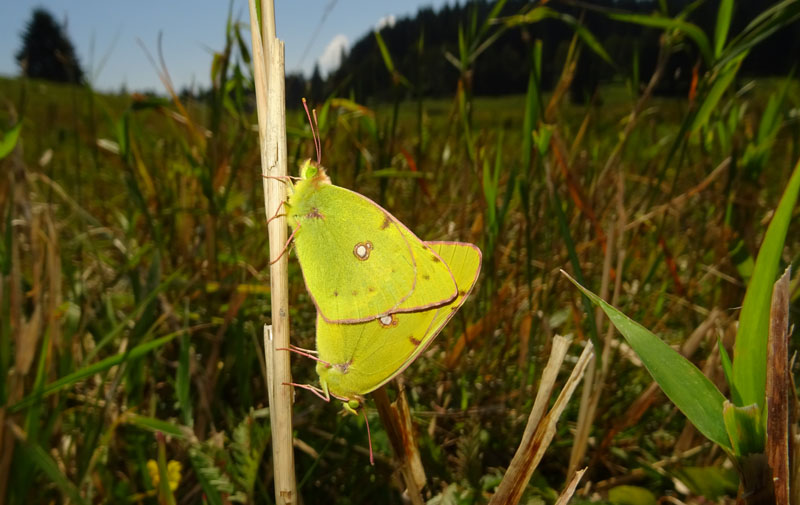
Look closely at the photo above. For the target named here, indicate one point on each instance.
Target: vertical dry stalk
(397, 422)
(541, 427)
(778, 384)
(268, 66)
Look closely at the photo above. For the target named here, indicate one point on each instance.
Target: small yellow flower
(173, 473)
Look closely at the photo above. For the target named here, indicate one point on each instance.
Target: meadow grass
(135, 286)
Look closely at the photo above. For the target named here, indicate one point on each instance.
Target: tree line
(418, 46)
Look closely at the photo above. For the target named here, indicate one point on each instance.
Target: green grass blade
(387, 58)
(183, 381)
(681, 381)
(85, 372)
(587, 37)
(725, 361)
(9, 140)
(724, 14)
(140, 309)
(165, 495)
(533, 107)
(566, 235)
(721, 83)
(691, 30)
(155, 425)
(750, 349)
(45, 462)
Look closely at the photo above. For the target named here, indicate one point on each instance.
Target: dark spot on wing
(426, 277)
(371, 289)
(315, 214)
(386, 221)
(462, 293)
(435, 259)
(355, 293)
(413, 341)
(344, 367)
(335, 293)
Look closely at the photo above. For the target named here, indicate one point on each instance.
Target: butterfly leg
(317, 391)
(282, 178)
(276, 215)
(286, 246)
(303, 352)
(297, 348)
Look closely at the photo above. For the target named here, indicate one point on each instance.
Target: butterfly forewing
(359, 262)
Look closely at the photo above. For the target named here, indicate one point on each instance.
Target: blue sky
(105, 34)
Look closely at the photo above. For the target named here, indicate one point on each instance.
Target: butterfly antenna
(319, 138)
(286, 246)
(369, 437)
(314, 131)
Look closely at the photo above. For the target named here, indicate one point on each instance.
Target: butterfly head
(352, 405)
(314, 172)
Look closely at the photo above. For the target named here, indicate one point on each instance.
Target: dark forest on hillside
(420, 46)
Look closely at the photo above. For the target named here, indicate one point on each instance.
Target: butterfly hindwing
(364, 356)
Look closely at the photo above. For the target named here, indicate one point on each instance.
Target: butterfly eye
(308, 170)
(362, 250)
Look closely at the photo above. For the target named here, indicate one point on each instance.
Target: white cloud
(332, 55)
(385, 21)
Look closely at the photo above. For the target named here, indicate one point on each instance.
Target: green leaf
(713, 482)
(211, 478)
(681, 381)
(9, 140)
(750, 349)
(746, 429)
(724, 13)
(631, 495)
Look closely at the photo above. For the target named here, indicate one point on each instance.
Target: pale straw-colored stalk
(541, 425)
(268, 66)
